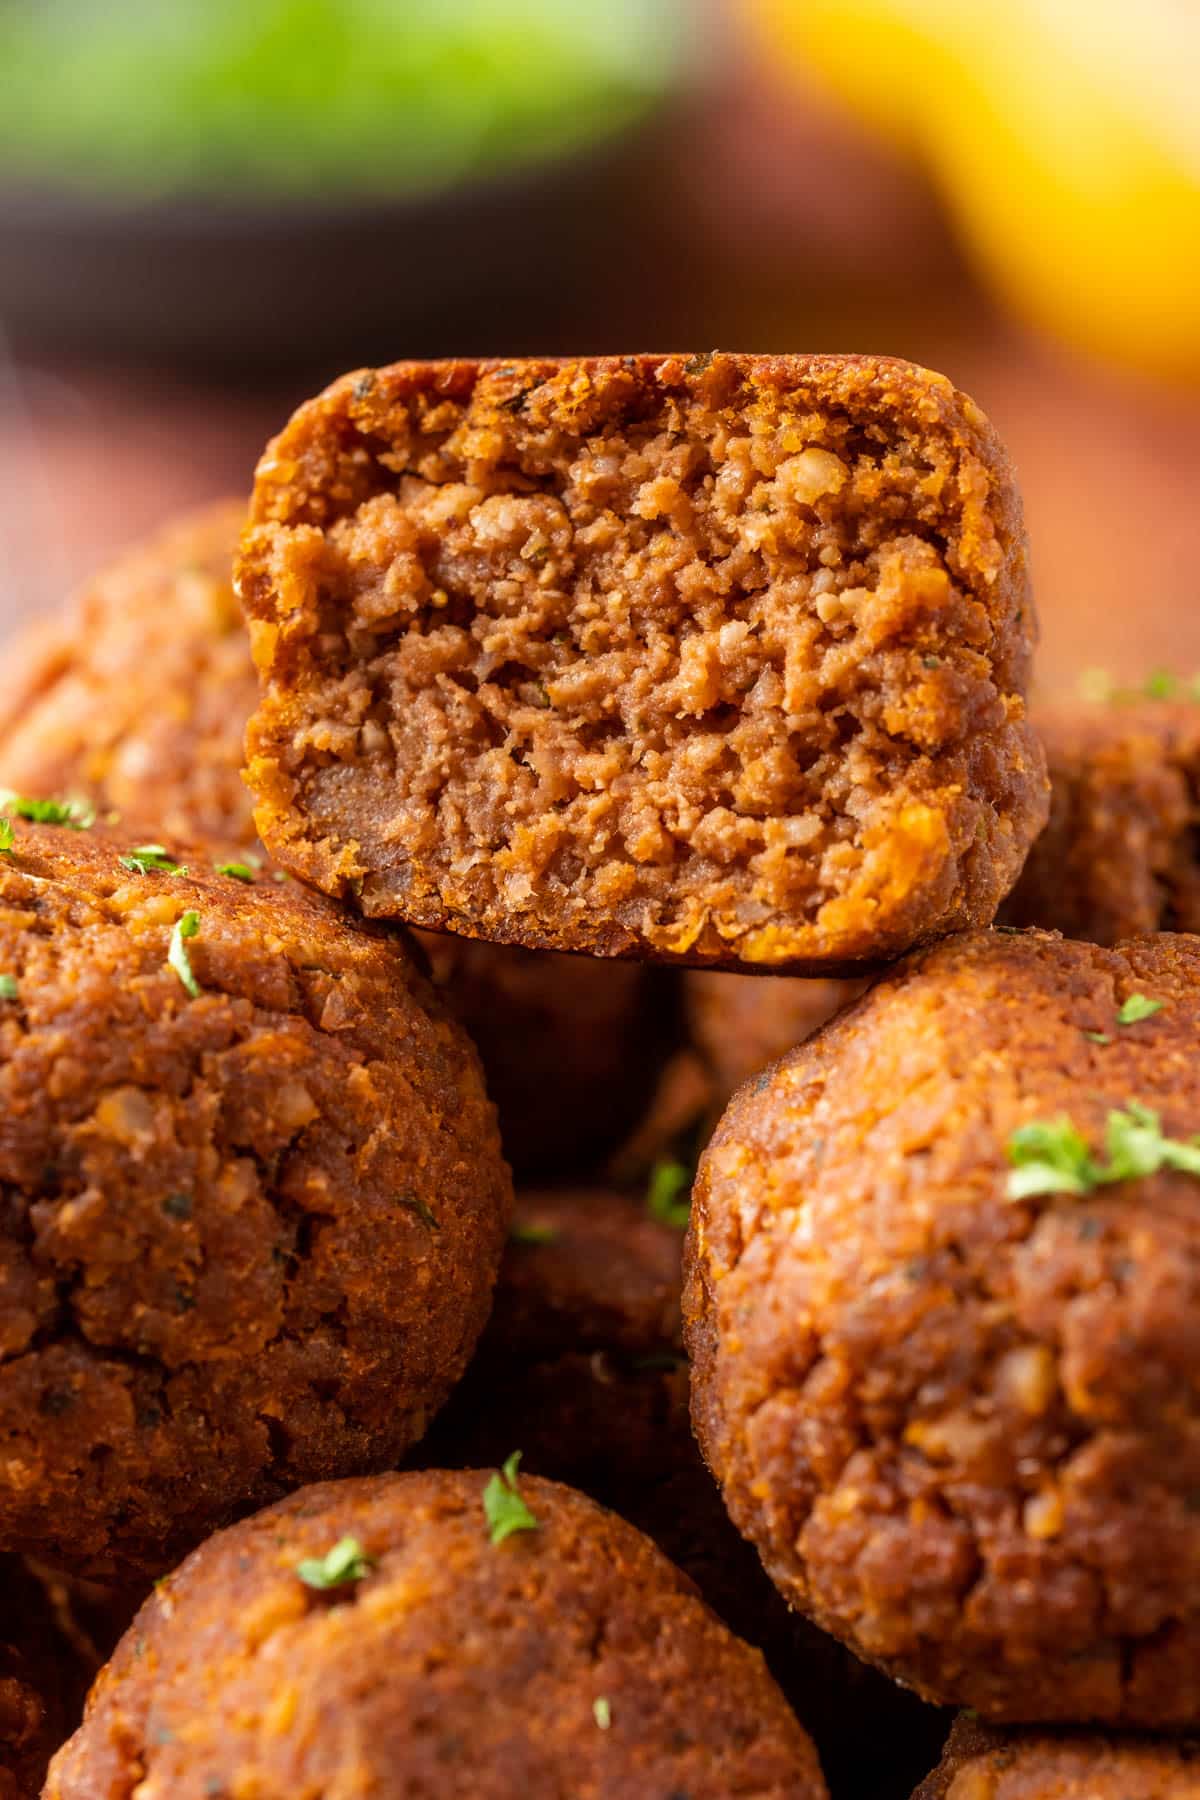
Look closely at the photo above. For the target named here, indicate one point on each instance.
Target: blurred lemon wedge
(1064, 136)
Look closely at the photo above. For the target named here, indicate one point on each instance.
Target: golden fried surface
(570, 1660)
(249, 1231)
(982, 1762)
(960, 1427)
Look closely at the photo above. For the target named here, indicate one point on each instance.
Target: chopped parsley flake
(602, 1711)
(1098, 1037)
(152, 859)
(75, 813)
(1138, 1007)
(177, 955)
(8, 987)
(503, 1507)
(1052, 1157)
(240, 871)
(669, 1193)
(528, 1232)
(346, 1562)
(8, 837)
(423, 1212)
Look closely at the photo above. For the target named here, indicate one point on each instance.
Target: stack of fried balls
(603, 776)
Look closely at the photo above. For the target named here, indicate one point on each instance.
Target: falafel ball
(741, 1023)
(569, 1658)
(254, 1200)
(137, 700)
(943, 1284)
(1119, 855)
(581, 1365)
(137, 697)
(985, 1762)
(716, 660)
(35, 1682)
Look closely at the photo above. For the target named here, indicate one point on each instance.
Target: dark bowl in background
(219, 283)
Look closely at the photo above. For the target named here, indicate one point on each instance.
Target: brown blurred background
(755, 194)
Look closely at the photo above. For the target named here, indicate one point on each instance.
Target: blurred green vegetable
(297, 96)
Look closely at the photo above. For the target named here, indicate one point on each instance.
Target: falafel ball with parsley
(434, 1633)
(254, 1199)
(942, 1302)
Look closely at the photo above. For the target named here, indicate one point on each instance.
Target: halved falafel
(567, 1659)
(254, 1199)
(718, 660)
(942, 1304)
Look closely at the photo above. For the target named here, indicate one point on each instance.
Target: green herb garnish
(423, 1212)
(8, 837)
(1160, 685)
(75, 813)
(602, 1711)
(177, 955)
(1052, 1157)
(669, 1193)
(1138, 1007)
(346, 1562)
(504, 1509)
(152, 859)
(8, 987)
(1098, 1037)
(531, 1233)
(240, 871)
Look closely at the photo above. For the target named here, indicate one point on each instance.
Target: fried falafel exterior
(36, 1681)
(718, 660)
(568, 1659)
(254, 1197)
(1119, 854)
(986, 1762)
(957, 1416)
(740, 1024)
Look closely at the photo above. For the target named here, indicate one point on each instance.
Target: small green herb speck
(152, 859)
(178, 1206)
(8, 987)
(602, 1712)
(177, 955)
(423, 1212)
(75, 813)
(528, 1232)
(669, 1193)
(1052, 1157)
(1138, 1007)
(931, 662)
(239, 871)
(1098, 1037)
(346, 1562)
(8, 837)
(503, 1507)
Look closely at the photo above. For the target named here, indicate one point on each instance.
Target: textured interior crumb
(722, 665)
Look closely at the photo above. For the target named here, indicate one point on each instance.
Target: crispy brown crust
(982, 1762)
(740, 1024)
(962, 1431)
(137, 697)
(1119, 855)
(248, 1238)
(455, 1665)
(905, 723)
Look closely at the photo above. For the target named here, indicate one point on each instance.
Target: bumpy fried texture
(717, 660)
(962, 1429)
(570, 1046)
(1119, 855)
(137, 698)
(34, 1683)
(248, 1237)
(981, 1762)
(571, 1660)
(581, 1366)
(741, 1023)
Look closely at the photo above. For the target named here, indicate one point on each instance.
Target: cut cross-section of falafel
(718, 660)
(941, 1306)
(253, 1196)
(566, 1658)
